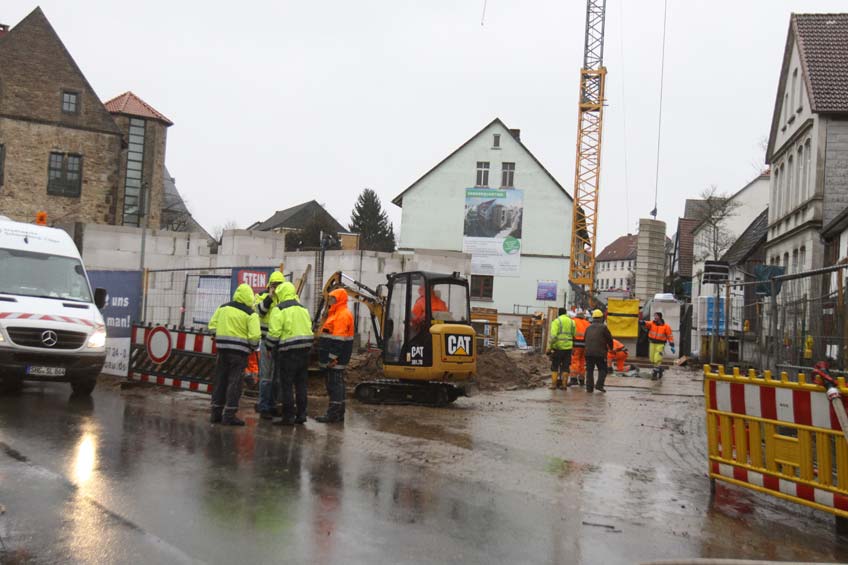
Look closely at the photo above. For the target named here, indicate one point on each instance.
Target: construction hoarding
(623, 317)
(492, 232)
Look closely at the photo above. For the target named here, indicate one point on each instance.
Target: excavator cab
(428, 342)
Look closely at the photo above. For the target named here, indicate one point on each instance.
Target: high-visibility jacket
(290, 325)
(235, 324)
(336, 340)
(617, 346)
(263, 307)
(420, 307)
(580, 325)
(659, 333)
(562, 333)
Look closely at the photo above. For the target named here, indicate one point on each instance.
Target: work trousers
(657, 350)
(601, 364)
(292, 371)
(229, 372)
(336, 391)
(578, 362)
(268, 383)
(561, 361)
(620, 358)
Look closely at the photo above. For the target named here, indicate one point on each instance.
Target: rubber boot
(553, 380)
(231, 419)
(335, 413)
(217, 414)
(654, 374)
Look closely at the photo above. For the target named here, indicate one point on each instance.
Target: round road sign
(158, 344)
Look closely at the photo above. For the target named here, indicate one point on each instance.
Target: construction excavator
(422, 325)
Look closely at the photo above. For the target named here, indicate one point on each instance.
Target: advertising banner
(123, 304)
(492, 233)
(212, 291)
(546, 290)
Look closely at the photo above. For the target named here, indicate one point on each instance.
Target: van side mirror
(100, 298)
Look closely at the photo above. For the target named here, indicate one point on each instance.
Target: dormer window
(70, 102)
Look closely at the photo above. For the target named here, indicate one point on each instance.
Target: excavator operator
(419, 309)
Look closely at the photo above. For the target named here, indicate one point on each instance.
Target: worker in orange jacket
(659, 333)
(335, 346)
(578, 355)
(617, 355)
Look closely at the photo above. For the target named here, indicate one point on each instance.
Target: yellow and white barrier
(777, 437)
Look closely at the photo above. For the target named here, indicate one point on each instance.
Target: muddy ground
(528, 476)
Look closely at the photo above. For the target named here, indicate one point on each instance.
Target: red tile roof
(131, 105)
(622, 248)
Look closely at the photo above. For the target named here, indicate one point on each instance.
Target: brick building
(64, 151)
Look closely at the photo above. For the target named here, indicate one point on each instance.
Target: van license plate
(37, 371)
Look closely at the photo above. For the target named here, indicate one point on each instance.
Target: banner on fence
(123, 303)
(212, 291)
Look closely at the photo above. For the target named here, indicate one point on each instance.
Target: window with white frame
(808, 189)
(507, 175)
(482, 173)
(790, 184)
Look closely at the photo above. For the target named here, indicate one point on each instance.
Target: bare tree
(714, 238)
(218, 231)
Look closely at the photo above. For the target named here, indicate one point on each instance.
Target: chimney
(4, 29)
(516, 133)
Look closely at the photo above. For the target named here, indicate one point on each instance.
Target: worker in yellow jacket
(290, 337)
(560, 345)
(237, 334)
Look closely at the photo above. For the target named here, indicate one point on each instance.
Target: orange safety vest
(580, 325)
(659, 333)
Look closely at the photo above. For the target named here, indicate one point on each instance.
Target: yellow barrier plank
(756, 443)
(770, 447)
(841, 465)
(740, 438)
(726, 443)
(805, 455)
(824, 459)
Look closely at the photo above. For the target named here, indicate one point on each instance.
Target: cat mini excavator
(422, 325)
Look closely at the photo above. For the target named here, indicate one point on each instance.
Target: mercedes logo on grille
(49, 338)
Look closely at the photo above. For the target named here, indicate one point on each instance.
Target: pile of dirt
(499, 370)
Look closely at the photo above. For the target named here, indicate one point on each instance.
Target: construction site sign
(492, 233)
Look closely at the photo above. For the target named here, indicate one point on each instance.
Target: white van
(51, 328)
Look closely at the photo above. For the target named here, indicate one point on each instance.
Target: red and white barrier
(181, 340)
(804, 407)
(167, 381)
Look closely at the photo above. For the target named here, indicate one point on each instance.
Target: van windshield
(25, 273)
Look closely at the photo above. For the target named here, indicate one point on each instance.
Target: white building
(440, 212)
(808, 143)
(615, 268)
(746, 204)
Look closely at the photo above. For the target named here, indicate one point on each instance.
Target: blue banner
(123, 299)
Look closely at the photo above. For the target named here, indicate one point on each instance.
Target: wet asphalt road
(139, 476)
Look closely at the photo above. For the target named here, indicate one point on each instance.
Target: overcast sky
(276, 103)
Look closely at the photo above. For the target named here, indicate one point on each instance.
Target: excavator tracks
(390, 391)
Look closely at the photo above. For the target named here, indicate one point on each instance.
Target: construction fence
(778, 436)
(785, 323)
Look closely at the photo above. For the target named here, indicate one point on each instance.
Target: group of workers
(577, 347)
(275, 326)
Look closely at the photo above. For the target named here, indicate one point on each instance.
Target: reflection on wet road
(537, 477)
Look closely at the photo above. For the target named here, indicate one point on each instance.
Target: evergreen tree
(372, 223)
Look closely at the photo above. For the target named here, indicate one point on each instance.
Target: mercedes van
(51, 328)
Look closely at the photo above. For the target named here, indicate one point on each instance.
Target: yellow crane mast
(587, 170)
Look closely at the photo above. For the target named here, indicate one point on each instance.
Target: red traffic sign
(158, 344)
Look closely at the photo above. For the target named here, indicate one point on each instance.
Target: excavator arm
(371, 298)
